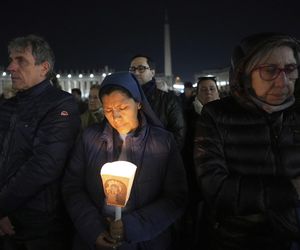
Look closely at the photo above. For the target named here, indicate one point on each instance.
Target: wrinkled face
(121, 111)
(142, 76)
(24, 72)
(94, 100)
(276, 91)
(207, 91)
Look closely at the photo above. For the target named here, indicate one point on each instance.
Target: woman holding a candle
(131, 132)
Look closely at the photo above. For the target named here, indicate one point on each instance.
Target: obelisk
(167, 48)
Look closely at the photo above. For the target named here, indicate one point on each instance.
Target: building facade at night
(68, 79)
(166, 80)
(83, 80)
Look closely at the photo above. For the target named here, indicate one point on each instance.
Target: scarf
(273, 108)
(197, 106)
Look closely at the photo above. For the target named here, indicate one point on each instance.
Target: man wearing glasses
(247, 149)
(166, 105)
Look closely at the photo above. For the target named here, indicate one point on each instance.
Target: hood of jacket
(128, 81)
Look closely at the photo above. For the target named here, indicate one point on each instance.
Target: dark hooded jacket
(245, 159)
(159, 190)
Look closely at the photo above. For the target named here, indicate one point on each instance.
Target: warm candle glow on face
(121, 111)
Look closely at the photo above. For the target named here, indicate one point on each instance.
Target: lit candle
(117, 178)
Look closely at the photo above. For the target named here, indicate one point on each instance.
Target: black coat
(37, 130)
(167, 107)
(245, 160)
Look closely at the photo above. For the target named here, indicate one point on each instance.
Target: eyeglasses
(140, 69)
(270, 72)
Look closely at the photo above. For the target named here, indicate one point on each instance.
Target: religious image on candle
(117, 178)
(115, 191)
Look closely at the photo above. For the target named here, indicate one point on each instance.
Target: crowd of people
(213, 172)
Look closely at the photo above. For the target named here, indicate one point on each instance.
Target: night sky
(92, 34)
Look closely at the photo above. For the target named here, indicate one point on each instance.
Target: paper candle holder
(117, 178)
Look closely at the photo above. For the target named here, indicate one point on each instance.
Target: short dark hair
(188, 85)
(203, 78)
(77, 91)
(150, 62)
(95, 86)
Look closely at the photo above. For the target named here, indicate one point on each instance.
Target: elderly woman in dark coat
(247, 149)
(133, 133)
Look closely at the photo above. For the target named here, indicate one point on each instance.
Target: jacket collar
(149, 87)
(35, 90)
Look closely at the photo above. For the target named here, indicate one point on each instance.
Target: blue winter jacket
(158, 194)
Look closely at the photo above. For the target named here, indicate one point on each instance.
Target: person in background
(187, 98)
(247, 149)
(166, 105)
(207, 91)
(131, 132)
(194, 226)
(82, 105)
(37, 130)
(94, 114)
(163, 85)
